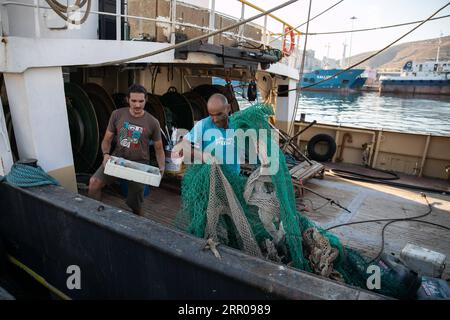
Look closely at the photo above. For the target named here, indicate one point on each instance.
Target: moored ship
(346, 81)
(424, 77)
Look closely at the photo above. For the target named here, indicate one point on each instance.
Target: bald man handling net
(212, 138)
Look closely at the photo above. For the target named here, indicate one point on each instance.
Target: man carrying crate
(134, 128)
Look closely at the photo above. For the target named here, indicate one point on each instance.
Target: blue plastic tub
(124, 188)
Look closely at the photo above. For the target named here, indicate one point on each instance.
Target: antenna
(343, 54)
(351, 36)
(326, 64)
(439, 48)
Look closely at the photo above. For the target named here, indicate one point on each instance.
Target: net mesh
(258, 214)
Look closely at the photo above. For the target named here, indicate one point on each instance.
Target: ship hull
(347, 81)
(122, 256)
(441, 87)
(339, 90)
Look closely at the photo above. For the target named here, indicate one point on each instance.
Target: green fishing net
(212, 194)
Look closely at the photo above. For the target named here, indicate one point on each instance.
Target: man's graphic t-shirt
(133, 134)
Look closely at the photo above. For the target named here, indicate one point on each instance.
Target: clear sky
(368, 13)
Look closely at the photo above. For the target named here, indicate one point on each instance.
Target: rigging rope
(300, 75)
(374, 28)
(309, 20)
(63, 11)
(369, 57)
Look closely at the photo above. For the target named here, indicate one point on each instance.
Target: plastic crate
(133, 171)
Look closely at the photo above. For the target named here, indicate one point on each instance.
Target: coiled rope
(63, 11)
(22, 175)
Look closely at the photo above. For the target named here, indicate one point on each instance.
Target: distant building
(311, 63)
(372, 77)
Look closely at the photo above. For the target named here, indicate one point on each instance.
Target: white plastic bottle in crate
(173, 161)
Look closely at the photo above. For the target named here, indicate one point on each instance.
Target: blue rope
(22, 175)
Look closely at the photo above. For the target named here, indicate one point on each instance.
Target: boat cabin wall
(183, 78)
(22, 19)
(285, 102)
(6, 156)
(146, 20)
(412, 154)
(115, 79)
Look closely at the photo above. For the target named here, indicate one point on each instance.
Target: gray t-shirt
(133, 134)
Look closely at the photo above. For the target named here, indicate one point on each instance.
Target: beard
(137, 110)
(222, 123)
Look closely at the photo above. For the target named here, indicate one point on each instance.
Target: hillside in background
(396, 56)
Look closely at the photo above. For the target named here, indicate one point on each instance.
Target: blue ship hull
(349, 80)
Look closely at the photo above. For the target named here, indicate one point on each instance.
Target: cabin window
(420, 67)
(435, 67)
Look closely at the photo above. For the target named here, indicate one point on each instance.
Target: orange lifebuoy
(285, 51)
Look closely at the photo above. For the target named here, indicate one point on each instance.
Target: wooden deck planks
(161, 205)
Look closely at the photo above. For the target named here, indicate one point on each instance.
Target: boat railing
(165, 26)
(417, 154)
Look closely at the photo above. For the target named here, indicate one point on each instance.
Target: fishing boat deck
(365, 201)
(161, 205)
(369, 201)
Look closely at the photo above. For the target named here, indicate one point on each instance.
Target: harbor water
(412, 114)
(425, 114)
